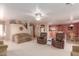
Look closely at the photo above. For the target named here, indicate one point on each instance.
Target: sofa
(75, 51)
(3, 49)
(21, 37)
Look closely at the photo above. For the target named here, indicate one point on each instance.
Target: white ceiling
(56, 13)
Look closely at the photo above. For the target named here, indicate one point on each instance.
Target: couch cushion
(75, 48)
(22, 34)
(3, 48)
(1, 42)
(74, 53)
(21, 37)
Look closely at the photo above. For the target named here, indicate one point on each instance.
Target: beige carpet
(32, 48)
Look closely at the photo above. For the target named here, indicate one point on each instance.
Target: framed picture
(21, 28)
(13, 22)
(52, 28)
(26, 25)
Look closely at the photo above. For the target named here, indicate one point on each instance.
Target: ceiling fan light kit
(38, 14)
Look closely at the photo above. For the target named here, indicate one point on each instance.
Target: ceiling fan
(71, 21)
(37, 13)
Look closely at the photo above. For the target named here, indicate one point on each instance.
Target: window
(1, 30)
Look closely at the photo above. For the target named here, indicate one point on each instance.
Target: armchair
(42, 39)
(59, 42)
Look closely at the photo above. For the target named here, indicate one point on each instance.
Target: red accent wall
(64, 28)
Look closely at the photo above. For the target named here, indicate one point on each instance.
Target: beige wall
(7, 31)
(14, 29)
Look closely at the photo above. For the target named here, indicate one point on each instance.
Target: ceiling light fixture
(38, 14)
(70, 4)
(71, 19)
